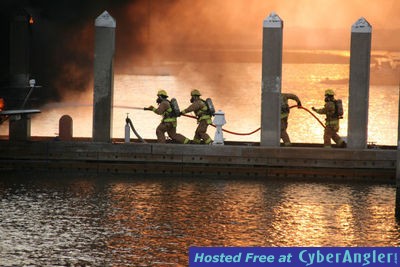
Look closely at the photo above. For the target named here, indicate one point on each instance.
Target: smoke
(151, 32)
(64, 41)
(61, 42)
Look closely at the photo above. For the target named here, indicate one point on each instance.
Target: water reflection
(49, 223)
(153, 222)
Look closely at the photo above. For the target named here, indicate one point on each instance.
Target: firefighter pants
(170, 129)
(201, 133)
(284, 134)
(331, 133)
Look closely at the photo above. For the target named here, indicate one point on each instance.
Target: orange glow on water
(237, 214)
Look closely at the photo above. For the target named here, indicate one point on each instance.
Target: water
(128, 221)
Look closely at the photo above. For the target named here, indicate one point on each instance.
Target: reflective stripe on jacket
(330, 112)
(200, 110)
(165, 110)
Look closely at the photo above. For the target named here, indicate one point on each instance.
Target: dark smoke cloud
(62, 41)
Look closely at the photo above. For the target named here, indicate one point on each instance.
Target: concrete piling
(360, 54)
(271, 80)
(20, 127)
(397, 207)
(65, 128)
(103, 77)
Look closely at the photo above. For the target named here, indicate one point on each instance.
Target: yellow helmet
(329, 92)
(195, 92)
(162, 93)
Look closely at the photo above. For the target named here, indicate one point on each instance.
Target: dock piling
(103, 77)
(20, 127)
(271, 80)
(65, 128)
(397, 206)
(360, 54)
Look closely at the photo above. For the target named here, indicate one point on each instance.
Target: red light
(31, 21)
(2, 103)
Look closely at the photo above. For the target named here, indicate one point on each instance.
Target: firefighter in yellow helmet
(331, 121)
(203, 115)
(285, 109)
(169, 121)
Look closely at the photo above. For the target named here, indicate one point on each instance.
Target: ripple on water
(142, 222)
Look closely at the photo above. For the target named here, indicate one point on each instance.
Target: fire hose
(256, 130)
(227, 131)
(128, 121)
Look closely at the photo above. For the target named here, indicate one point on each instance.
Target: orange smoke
(150, 32)
(238, 23)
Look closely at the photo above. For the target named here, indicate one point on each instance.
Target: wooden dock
(228, 161)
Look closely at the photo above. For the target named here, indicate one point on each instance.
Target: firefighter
(169, 121)
(331, 121)
(203, 115)
(285, 115)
